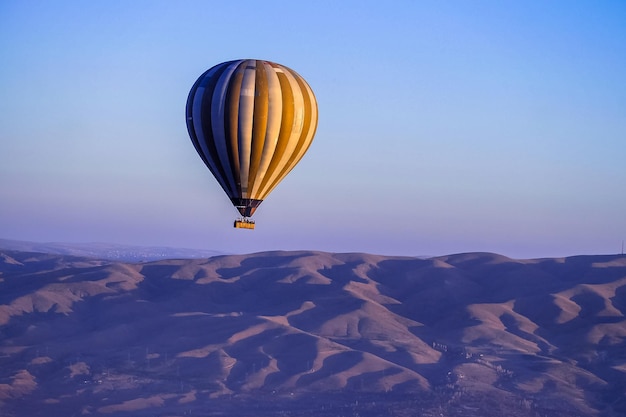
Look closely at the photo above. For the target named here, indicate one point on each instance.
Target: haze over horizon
(443, 128)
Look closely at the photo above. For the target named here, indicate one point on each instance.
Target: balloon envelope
(251, 122)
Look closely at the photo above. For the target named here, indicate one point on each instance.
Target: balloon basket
(244, 224)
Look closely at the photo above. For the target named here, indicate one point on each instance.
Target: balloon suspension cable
(244, 223)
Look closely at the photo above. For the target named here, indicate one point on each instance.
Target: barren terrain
(312, 334)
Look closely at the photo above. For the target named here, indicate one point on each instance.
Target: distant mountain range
(115, 252)
(312, 334)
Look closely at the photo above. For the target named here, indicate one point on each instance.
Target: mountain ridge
(479, 330)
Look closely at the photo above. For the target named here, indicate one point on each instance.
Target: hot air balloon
(251, 121)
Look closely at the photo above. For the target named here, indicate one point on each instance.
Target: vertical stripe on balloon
(251, 122)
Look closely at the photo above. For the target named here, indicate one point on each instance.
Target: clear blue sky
(444, 127)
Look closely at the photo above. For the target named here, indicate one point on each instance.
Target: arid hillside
(313, 334)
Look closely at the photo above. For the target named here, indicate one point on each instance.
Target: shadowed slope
(472, 330)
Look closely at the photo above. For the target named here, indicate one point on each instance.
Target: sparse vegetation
(313, 334)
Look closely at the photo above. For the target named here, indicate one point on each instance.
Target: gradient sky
(444, 127)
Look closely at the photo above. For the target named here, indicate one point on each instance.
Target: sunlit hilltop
(313, 333)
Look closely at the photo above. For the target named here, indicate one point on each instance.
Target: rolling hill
(312, 334)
